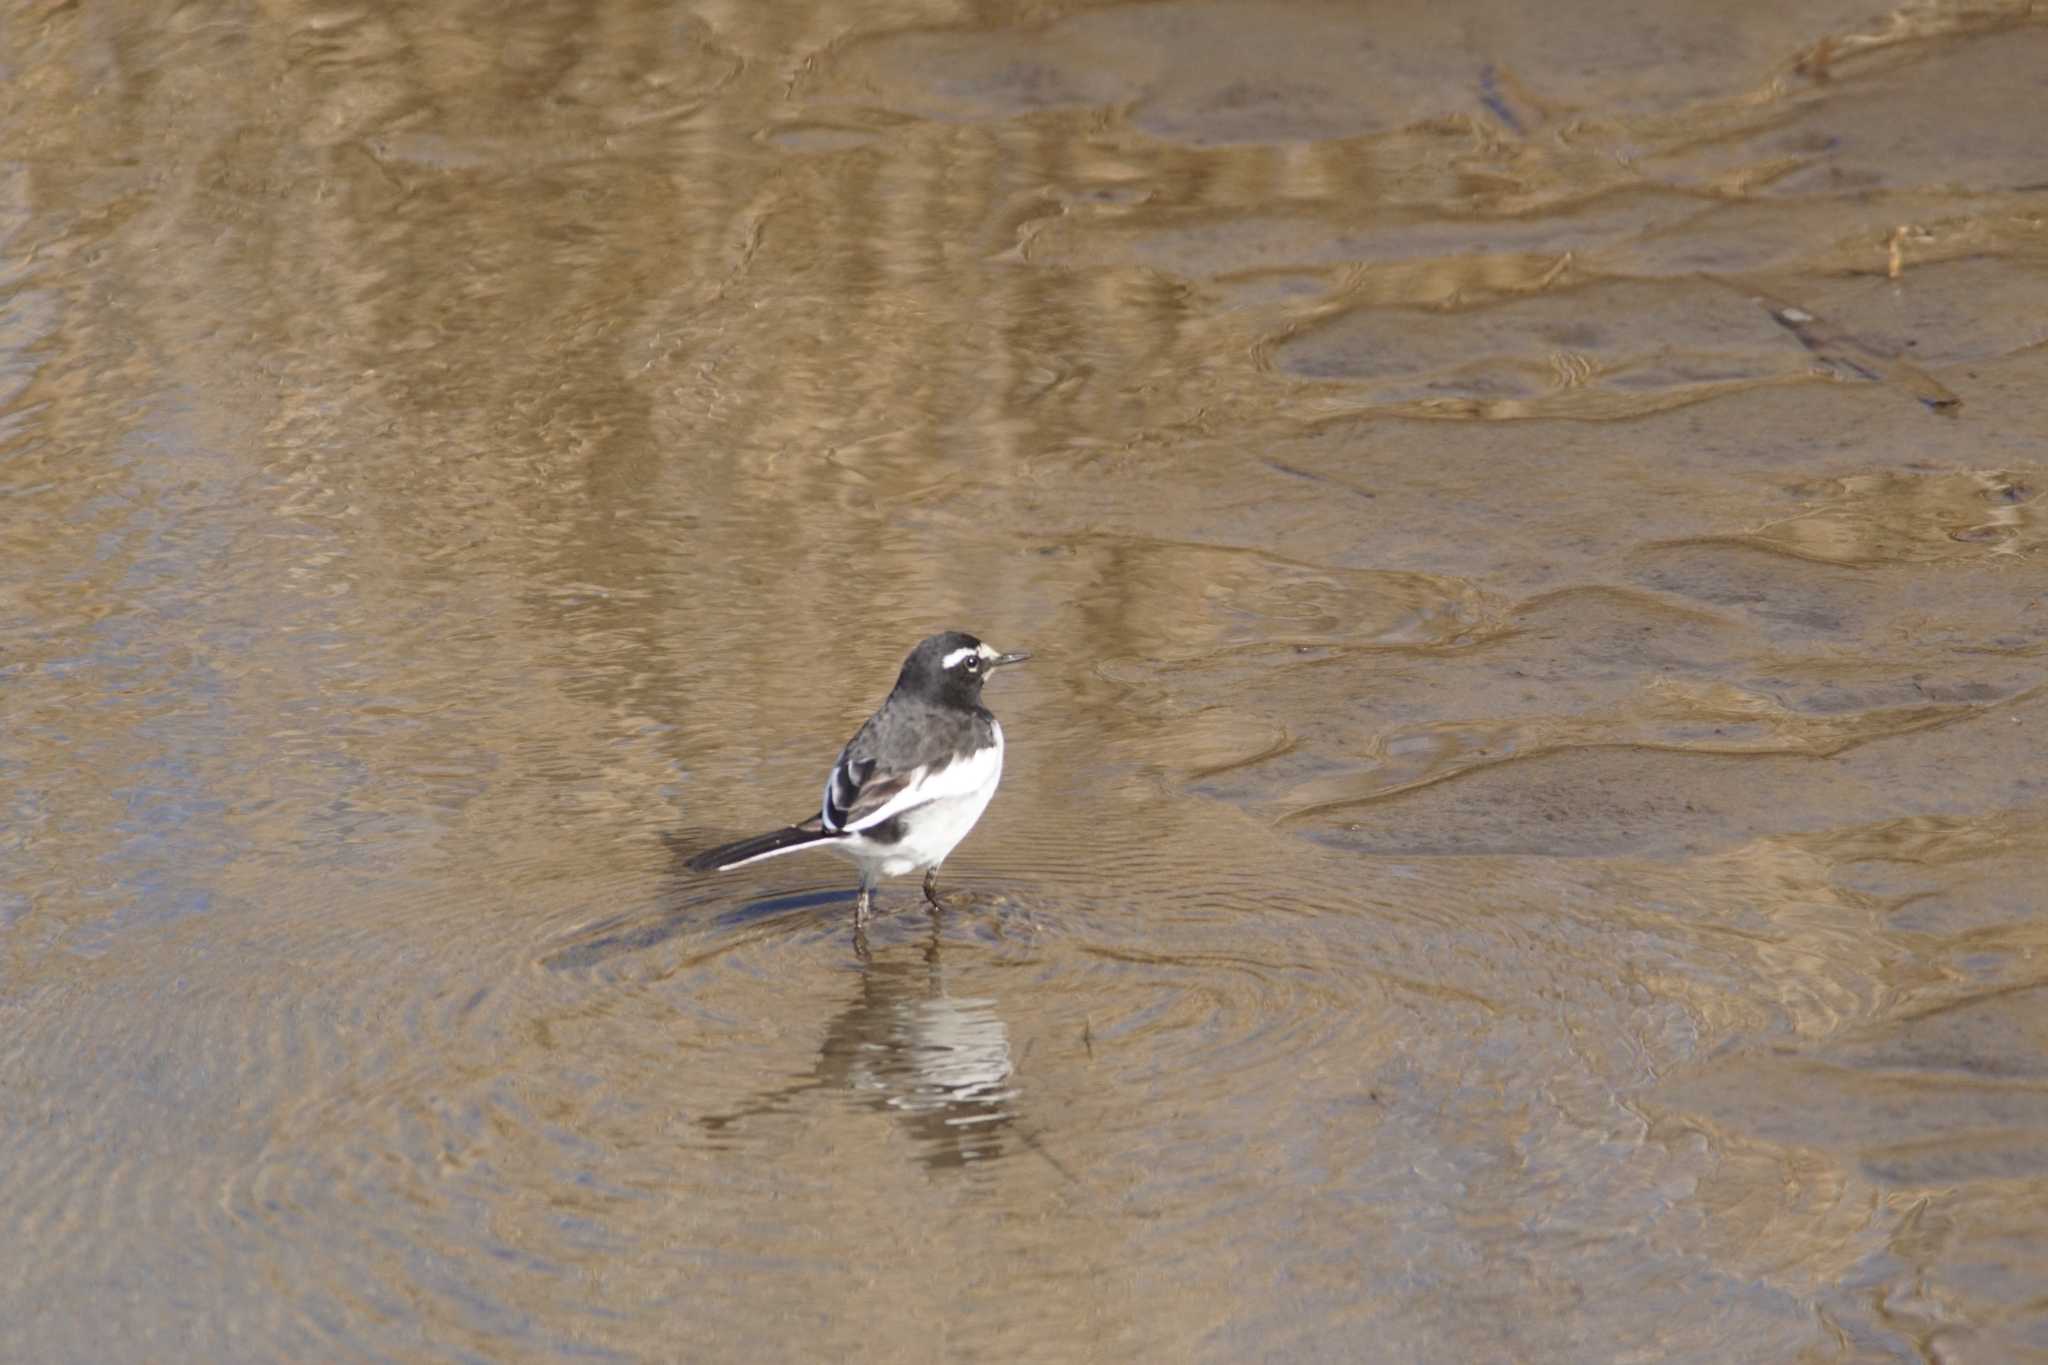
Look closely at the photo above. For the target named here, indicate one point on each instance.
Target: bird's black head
(951, 668)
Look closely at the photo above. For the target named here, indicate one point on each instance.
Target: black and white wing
(862, 792)
(851, 790)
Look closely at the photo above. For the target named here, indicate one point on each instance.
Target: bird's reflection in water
(940, 1063)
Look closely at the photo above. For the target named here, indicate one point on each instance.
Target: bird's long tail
(769, 845)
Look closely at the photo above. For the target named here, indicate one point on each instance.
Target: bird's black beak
(1002, 660)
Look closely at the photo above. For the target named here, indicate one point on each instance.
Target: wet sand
(1522, 840)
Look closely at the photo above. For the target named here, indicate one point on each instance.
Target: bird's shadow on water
(694, 903)
(681, 911)
(620, 935)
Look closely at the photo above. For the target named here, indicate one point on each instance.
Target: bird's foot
(949, 900)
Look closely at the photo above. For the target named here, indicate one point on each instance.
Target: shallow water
(1523, 837)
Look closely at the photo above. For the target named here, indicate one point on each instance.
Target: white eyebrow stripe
(957, 655)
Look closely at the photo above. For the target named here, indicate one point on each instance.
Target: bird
(911, 782)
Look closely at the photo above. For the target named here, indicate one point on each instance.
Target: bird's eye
(973, 663)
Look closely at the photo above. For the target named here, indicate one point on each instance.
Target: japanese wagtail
(910, 783)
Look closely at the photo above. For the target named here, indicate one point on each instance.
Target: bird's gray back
(911, 734)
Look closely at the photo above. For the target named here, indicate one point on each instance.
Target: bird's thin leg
(860, 918)
(865, 902)
(931, 895)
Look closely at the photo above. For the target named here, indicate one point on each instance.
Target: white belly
(933, 830)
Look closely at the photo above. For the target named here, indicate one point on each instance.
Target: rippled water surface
(1524, 837)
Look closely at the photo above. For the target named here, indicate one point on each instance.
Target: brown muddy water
(1524, 837)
